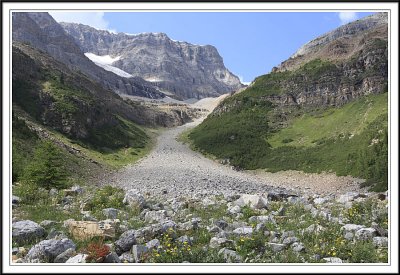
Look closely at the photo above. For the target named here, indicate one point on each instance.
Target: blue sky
(250, 43)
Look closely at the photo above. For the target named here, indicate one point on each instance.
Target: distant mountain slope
(76, 106)
(41, 31)
(340, 43)
(314, 113)
(184, 69)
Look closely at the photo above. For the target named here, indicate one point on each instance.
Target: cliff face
(74, 105)
(180, 68)
(341, 43)
(42, 32)
(320, 74)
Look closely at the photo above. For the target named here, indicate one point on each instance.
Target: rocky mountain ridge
(41, 31)
(179, 68)
(339, 44)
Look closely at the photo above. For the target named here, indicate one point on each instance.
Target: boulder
(230, 256)
(155, 216)
(153, 244)
(234, 210)
(348, 197)
(380, 241)
(351, 227)
(110, 213)
(297, 247)
(134, 198)
(126, 257)
(276, 247)
(289, 240)
(138, 251)
(46, 251)
(243, 231)
(365, 234)
(80, 258)
(112, 258)
(254, 201)
(63, 257)
(15, 200)
(221, 224)
(260, 219)
(82, 230)
(47, 223)
(125, 242)
(219, 242)
(333, 260)
(26, 231)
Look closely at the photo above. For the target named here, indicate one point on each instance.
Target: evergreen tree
(46, 169)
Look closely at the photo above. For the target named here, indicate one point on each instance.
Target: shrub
(97, 251)
(106, 197)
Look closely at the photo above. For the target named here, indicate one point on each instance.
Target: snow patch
(105, 62)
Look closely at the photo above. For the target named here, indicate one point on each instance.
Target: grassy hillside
(349, 140)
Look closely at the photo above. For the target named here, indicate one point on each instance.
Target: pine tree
(46, 169)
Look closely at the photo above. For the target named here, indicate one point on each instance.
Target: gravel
(172, 169)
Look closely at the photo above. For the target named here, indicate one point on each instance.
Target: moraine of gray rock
(380, 241)
(80, 258)
(234, 209)
(289, 240)
(47, 250)
(230, 256)
(185, 239)
(333, 260)
(219, 242)
(314, 228)
(63, 257)
(297, 247)
(365, 234)
(125, 241)
(153, 244)
(155, 216)
(254, 201)
(47, 223)
(348, 197)
(25, 231)
(260, 219)
(127, 257)
(134, 198)
(276, 247)
(138, 251)
(15, 200)
(112, 258)
(53, 192)
(352, 227)
(185, 226)
(221, 224)
(319, 201)
(110, 213)
(289, 233)
(243, 231)
(349, 236)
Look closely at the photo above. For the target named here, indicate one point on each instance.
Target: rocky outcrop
(340, 43)
(180, 68)
(41, 31)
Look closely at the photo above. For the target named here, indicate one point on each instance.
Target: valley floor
(172, 169)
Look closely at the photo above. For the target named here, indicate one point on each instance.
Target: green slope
(350, 140)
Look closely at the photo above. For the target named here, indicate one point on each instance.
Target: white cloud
(346, 17)
(93, 19)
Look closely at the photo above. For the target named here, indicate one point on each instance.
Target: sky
(250, 43)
